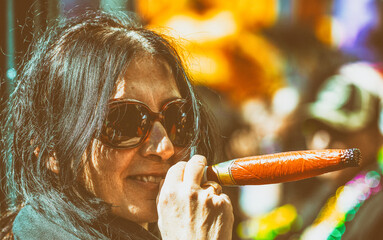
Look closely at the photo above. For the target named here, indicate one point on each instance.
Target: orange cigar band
(281, 167)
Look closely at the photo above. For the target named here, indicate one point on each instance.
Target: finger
(173, 177)
(175, 174)
(222, 200)
(226, 198)
(194, 170)
(216, 188)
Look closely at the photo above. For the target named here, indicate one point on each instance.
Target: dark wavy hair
(59, 106)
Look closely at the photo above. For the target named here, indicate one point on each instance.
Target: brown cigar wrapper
(281, 167)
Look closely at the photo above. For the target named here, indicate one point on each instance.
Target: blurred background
(279, 75)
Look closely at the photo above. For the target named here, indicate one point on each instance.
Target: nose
(158, 144)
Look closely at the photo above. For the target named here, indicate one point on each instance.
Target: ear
(36, 151)
(52, 163)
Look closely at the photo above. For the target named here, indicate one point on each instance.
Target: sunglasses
(129, 122)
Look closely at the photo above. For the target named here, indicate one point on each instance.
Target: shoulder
(29, 224)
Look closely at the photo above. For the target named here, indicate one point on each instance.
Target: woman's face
(128, 178)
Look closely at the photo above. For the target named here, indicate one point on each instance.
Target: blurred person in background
(344, 110)
(272, 122)
(341, 109)
(347, 113)
(309, 62)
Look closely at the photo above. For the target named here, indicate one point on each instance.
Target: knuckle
(210, 191)
(223, 203)
(220, 203)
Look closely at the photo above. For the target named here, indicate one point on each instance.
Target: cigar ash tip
(352, 157)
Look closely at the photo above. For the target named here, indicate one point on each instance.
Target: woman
(104, 121)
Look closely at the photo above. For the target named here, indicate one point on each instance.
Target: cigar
(281, 167)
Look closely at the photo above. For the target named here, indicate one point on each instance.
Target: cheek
(105, 168)
(109, 160)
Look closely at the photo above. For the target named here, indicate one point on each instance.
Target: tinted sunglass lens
(179, 123)
(126, 125)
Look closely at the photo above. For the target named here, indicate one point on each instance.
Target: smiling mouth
(147, 179)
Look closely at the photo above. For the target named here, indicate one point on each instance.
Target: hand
(188, 211)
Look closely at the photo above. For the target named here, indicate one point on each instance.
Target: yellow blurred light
(324, 30)
(348, 199)
(156, 11)
(255, 14)
(209, 68)
(222, 36)
(202, 29)
(339, 191)
(269, 225)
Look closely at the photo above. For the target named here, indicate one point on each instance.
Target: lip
(151, 188)
(155, 174)
(153, 171)
(145, 170)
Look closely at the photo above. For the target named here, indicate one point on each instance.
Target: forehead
(149, 80)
